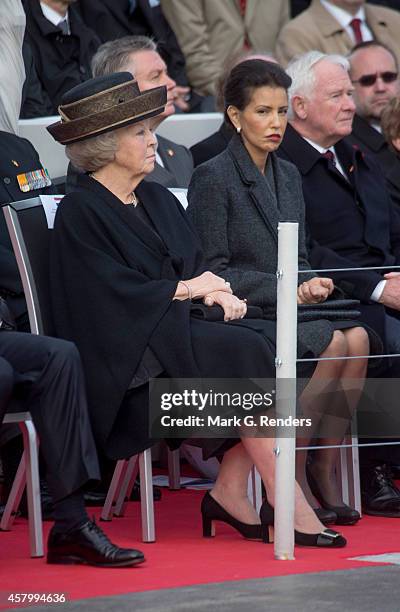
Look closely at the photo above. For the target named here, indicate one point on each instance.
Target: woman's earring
(238, 129)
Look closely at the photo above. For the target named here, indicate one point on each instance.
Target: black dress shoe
(324, 539)
(327, 517)
(88, 544)
(380, 496)
(212, 511)
(344, 514)
(94, 498)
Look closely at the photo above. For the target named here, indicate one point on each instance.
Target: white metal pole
(286, 354)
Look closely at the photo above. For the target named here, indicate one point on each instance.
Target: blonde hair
(94, 153)
(390, 121)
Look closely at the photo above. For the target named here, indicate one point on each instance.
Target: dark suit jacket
(178, 164)
(353, 223)
(370, 140)
(213, 145)
(112, 19)
(14, 150)
(61, 61)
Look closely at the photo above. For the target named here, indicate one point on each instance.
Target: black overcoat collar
(305, 156)
(368, 135)
(255, 183)
(145, 234)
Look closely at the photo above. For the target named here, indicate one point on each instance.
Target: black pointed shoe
(324, 539)
(327, 517)
(345, 515)
(212, 511)
(89, 545)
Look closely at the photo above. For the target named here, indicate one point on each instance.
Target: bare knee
(357, 341)
(338, 346)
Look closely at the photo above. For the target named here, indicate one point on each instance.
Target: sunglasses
(367, 80)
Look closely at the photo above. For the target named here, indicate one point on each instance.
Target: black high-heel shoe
(345, 514)
(212, 511)
(325, 539)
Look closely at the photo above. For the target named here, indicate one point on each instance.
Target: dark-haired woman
(236, 201)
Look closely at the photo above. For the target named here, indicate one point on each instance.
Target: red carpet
(180, 557)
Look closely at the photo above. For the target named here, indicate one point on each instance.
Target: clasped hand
(314, 291)
(213, 290)
(391, 293)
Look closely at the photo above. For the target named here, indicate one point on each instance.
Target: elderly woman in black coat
(125, 267)
(236, 201)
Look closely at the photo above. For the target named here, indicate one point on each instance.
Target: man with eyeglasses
(375, 76)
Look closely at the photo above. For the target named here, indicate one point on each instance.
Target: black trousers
(44, 375)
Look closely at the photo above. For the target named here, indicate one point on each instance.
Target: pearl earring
(238, 129)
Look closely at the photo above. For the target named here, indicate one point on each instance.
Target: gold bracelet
(188, 289)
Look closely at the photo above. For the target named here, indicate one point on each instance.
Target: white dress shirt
(344, 18)
(53, 16)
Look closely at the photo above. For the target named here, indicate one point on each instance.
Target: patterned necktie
(355, 25)
(329, 156)
(242, 8)
(63, 25)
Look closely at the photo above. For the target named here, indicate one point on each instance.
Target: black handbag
(216, 312)
(7, 322)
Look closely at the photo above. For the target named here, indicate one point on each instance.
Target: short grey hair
(114, 55)
(94, 153)
(301, 70)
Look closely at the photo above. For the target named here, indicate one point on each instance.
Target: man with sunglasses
(375, 76)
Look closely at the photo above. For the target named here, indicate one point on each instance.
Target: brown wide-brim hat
(104, 104)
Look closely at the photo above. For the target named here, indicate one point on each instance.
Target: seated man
(350, 216)
(138, 55)
(375, 75)
(112, 19)
(211, 31)
(335, 26)
(45, 374)
(62, 45)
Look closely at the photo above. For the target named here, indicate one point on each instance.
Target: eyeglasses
(367, 80)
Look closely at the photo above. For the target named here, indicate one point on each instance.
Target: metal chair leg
(344, 473)
(254, 489)
(14, 497)
(356, 498)
(114, 489)
(174, 469)
(147, 502)
(127, 486)
(33, 488)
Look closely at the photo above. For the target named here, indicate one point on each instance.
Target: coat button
(7, 180)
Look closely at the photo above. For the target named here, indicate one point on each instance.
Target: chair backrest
(188, 129)
(51, 153)
(30, 238)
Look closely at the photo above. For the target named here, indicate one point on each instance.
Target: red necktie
(242, 8)
(356, 27)
(329, 156)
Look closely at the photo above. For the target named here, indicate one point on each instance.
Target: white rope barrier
(286, 353)
(351, 269)
(286, 362)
